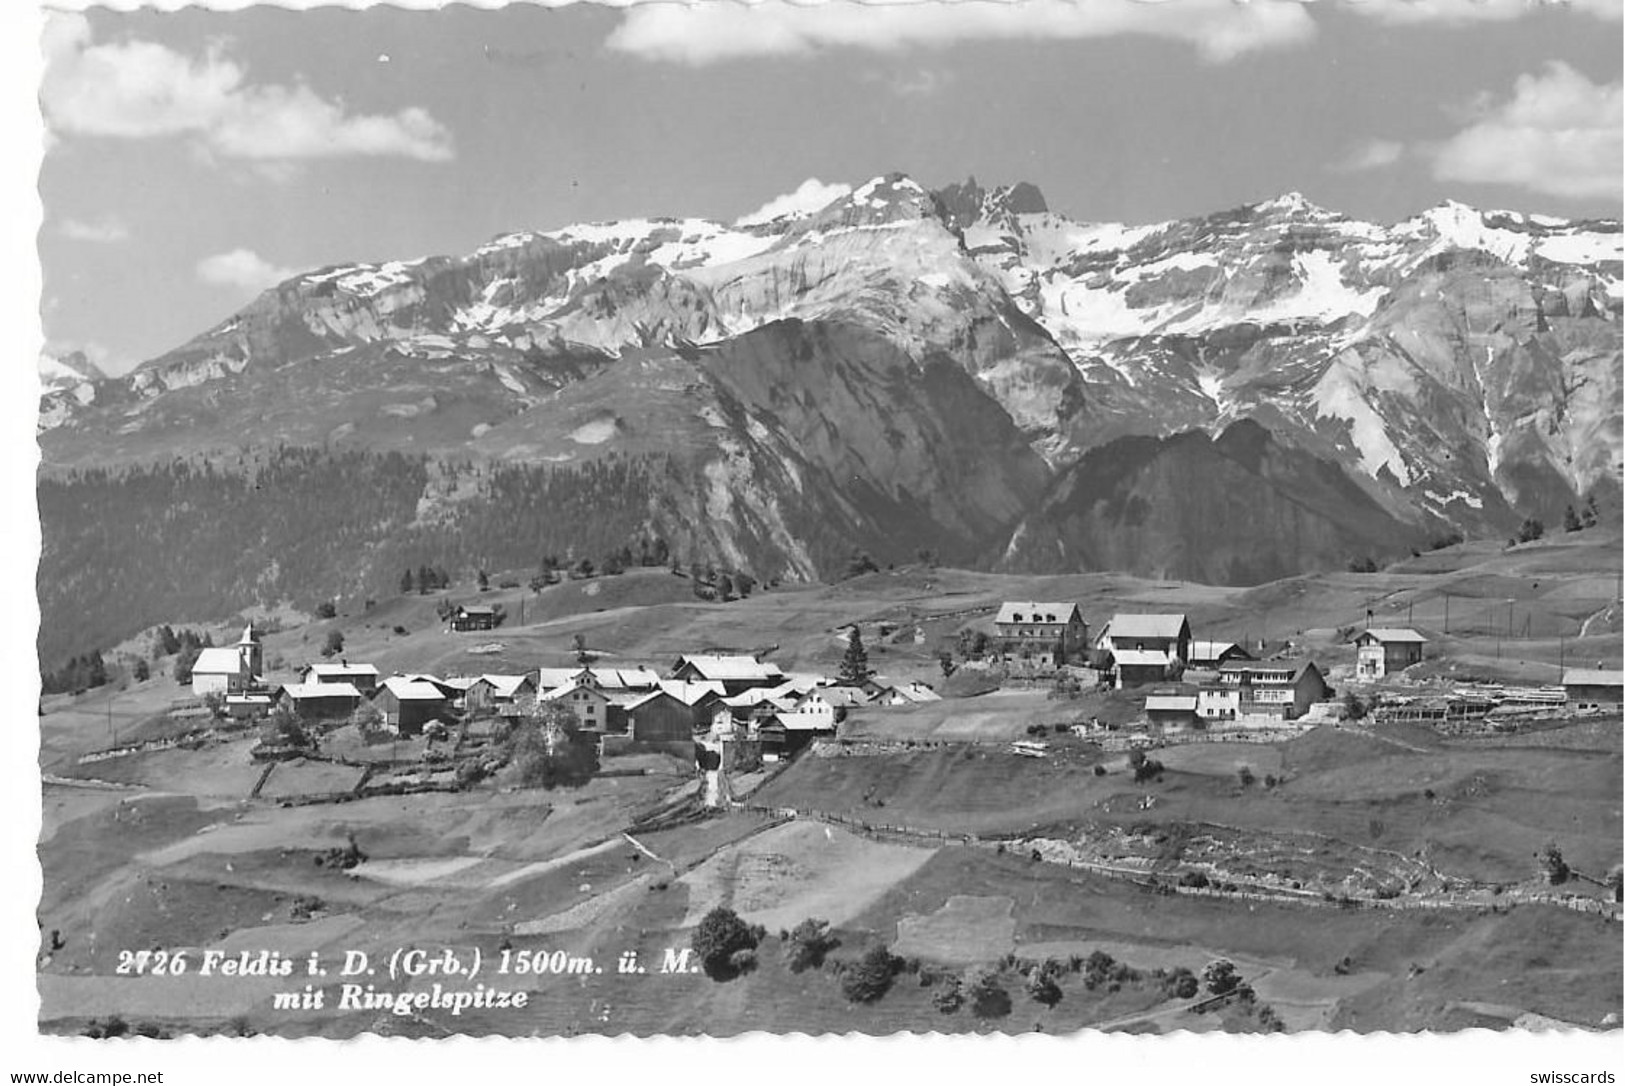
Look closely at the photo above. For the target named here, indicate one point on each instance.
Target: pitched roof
(1137, 625)
(691, 693)
(911, 691)
(1212, 650)
(299, 691)
(1140, 657)
(1035, 611)
(801, 722)
(570, 688)
(1586, 676)
(1171, 702)
(1294, 668)
(218, 661)
(503, 686)
(550, 678)
(628, 678)
(477, 609)
(730, 668)
(757, 695)
(336, 670)
(837, 695)
(1388, 634)
(413, 688)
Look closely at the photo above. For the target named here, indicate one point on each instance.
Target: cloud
(243, 269)
(1559, 135)
(104, 231)
(1219, 30)
(809, 196)
(1463, 12)
(143, 90)
(1371, 155)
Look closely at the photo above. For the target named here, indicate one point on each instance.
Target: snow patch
(595, 432)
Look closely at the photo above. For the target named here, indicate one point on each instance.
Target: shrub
(334, 644)
(1193, 878)
(988, 999)
(326, 609)
(1364, 564)
(1531, 530)
(1553, 868)
(1100, 770)
(718, 937)
(1181, 984)
(1245, 776)
(949, 997)
(1221, 977)
(808, 944)
(1042, 988)
(870, 977)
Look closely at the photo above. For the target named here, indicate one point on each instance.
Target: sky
(193, 159)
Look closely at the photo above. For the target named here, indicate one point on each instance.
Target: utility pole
(1447, 612)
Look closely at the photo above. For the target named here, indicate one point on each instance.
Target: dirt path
(1585, 627)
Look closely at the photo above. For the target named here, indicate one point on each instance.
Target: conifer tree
(855, 663)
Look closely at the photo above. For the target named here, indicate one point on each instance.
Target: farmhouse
(1281, 689)
(886, 692)
(408, 703)
(736, 673)
(1586, 686)
(1380, 652)
(1210, 654)
(659, 717)
(787, 732)
(1146, 648)
(229, 669)
(364, 677)
(474, 617)
(594, 708)
(321, 701)
(1172, 707)
(501, 695)
(1038, 637)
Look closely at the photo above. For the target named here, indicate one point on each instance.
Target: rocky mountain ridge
(965, 369)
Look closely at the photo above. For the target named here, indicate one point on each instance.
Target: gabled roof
(570, 688)
(1586, 676)
(1140, 657)
(341, 670)
(1392, 636)
(837, 695)
(218, 661)
(1202, 651)
(300, 691)
(691, 693)
(550, 678)
(476, 609)
(800, 722)
(627, 678)
(503, 686)
(757, 695)
(413, 688)
(1171, 702)
(1294, 668)
(1035, 611)
(911, 691)
(1138, 625)
(730, 668)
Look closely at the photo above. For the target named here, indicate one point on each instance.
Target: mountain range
(1231, 398)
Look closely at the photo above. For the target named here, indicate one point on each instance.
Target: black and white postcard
(1082, 519)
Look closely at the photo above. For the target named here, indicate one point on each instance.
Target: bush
(326, 609)
(1221, 977)
(1193, 878)
(1181, 984)
(870, 977)
(1245, 776)
(1041, 986)
(1100, 770)
(334, 644)
(949, 997)
(807, 945)
(1531, 530)
(719, 936)
(988, 999)
(1365, 564)
(1553, 868)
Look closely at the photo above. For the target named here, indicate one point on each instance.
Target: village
(513, 765)
(1164, 685)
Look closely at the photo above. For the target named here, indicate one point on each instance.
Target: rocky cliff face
(963, 369)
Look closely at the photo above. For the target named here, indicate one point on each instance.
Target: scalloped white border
(1478, 1056)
